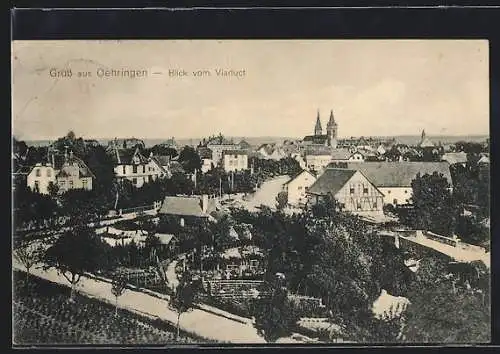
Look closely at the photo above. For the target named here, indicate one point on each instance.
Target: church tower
(331, 131)
(317, 129)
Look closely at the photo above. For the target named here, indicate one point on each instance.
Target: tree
(117, 289)
(274, 315)
(183, 298)
(281, 200)
(189, 159)
(29, 254)
(76, 252)
(53, 189)
(434, 206)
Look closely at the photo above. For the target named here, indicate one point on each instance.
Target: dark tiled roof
(204, 152)
(316, 139)
(219, 140)
(65, 170)
(341, 154)
(162, 160)
(175, 166)
(185, 206)
(331, 181)
(244, 144)
(298, 174)
(125, 156)
(398, 174)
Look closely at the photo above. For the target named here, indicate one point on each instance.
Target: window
(406, 191)
(299, 188)
(70, 184)
(374, 205)
(49, 172)
(84, 184)
(37, 172)
(395, 201)
(143, 169)
(389, 191)
(37, 186)
(134, 169)
(352, 190)
(134, 181)
(365, 190)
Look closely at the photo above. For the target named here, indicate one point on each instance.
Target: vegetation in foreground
(42, 314)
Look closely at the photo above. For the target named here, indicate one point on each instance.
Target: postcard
(192, 192)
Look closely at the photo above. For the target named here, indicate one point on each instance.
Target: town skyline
(372, 87)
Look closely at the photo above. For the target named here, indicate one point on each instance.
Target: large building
(328, 139)
(66, 172)
(234, 160)
(352, 190)
(394, 179)
(130, 164)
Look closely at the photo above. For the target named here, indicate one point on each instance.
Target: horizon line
(248, 137)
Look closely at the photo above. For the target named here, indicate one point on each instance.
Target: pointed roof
(331, 181)
(332, 118)
(317, 127)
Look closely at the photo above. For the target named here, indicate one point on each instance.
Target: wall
(145, 172)
(359, 202)
(401, 194)
(296, 189)
(47, 175)
(235, 162)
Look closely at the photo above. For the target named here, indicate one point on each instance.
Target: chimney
(204, 203)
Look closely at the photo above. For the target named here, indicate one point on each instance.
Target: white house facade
(297, 187)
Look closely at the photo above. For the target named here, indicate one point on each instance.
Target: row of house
(362, 187)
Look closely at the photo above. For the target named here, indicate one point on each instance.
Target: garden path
(197, 322)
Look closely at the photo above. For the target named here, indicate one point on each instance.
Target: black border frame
(243, 22)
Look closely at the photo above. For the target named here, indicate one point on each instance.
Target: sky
(374, 87)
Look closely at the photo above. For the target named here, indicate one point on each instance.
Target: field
(42, 314)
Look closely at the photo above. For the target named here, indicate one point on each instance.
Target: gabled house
(187, 208)
(352, 190)
(393, 179)
(218, 145)
(130, 164)
(297, 187)
(66, 172)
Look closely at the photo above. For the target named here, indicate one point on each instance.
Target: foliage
(434, 206)
(443, 309)
(183, 298)
(281, 200)
(471, 230)
(31, 207)
(189, 159)
(76, 252)
(29, 254)
(118, 287)
(42, 315)
(274, 316)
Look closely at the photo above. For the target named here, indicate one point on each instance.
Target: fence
(235, 288)
(140, 209)
(442, 239)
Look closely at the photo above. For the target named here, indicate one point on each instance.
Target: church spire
(332, 118)
(317, 129)
(423, 136)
